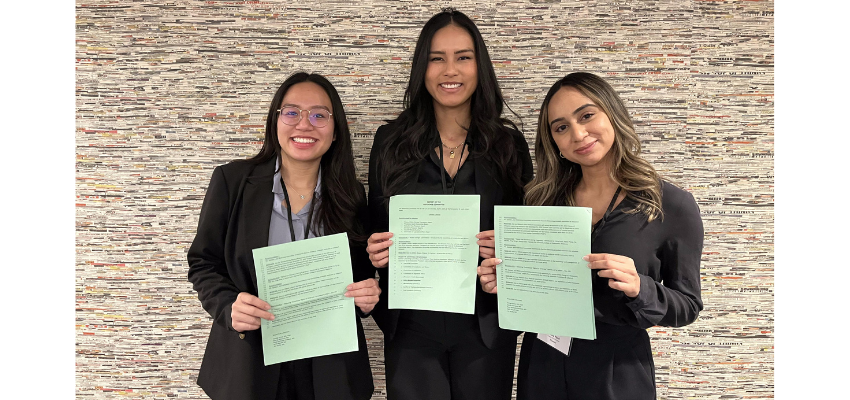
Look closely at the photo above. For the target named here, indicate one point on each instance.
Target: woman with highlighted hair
(646, 245)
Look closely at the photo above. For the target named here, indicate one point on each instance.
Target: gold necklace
(452, 149)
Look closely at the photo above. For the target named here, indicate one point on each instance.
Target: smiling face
(304, 142)
(452, 74)
(581, 130)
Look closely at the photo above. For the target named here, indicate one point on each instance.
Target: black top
(666, 253)
(476, 176)
(436, 324)
(618, 364)
(431, 176)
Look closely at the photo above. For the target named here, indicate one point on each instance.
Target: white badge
(560, 343)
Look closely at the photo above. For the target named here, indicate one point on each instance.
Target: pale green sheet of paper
(544, 285)
(434, 256)
(304, 282)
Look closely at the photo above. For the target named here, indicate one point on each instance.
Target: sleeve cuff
(639, 302)
(361, 314)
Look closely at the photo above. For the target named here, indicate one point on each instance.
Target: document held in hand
(305, 283)
(544, 285)
(434, 255)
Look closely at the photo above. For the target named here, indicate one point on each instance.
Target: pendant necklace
(452, 149)
(299, 194)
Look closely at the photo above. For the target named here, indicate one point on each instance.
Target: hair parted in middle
(558, 177)
(414, 131)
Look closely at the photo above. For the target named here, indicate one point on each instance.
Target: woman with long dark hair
(646, 246)
(450, 139)
(301, 185)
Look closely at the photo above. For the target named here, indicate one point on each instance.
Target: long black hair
(342, 194)
(413, 132)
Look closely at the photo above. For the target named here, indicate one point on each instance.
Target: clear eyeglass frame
(317, 123)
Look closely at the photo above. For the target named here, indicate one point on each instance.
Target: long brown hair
(557, 177)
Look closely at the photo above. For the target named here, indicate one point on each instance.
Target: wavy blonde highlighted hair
(557, 177)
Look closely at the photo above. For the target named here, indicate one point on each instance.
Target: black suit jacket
(234, 220)
(492, 190)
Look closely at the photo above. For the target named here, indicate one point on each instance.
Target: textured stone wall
(166, 91)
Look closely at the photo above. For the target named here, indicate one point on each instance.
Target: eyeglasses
(318, 117)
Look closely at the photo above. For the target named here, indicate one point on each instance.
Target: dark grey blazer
(234, 220)
(492, 192)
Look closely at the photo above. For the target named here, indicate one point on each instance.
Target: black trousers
(616, 366)
(440, 356)
(296, 380)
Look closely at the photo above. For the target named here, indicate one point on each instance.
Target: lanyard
(289, 211)
(598, 227)
(443, 167)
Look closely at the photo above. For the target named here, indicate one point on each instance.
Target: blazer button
(241, 336)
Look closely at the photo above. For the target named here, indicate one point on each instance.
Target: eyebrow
(457, 52)
(574, 113)
(299, 107)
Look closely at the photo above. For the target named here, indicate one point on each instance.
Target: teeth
(304, 140)
(450, 85)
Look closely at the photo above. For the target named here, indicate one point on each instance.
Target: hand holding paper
(378, 247)
(487, 274)
(620, 271)
(246, 312)
(487, 244)
(366, 294)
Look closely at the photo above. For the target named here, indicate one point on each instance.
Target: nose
(304, 122)
(578, 133)
(451, 68)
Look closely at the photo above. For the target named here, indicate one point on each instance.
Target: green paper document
(304, 282)
(434, 256)
(544, 285)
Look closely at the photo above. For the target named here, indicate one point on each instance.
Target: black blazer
(234, 220)
(491, 189)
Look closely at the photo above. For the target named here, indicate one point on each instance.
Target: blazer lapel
(256, 212)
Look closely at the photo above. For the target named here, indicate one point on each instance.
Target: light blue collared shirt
(278, 226)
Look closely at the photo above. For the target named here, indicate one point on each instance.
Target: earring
(562, 154)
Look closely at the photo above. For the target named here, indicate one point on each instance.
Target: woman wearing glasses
(646, 246)
(450, 139)
(301, 185)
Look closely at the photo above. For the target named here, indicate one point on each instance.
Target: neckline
(601, 223)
